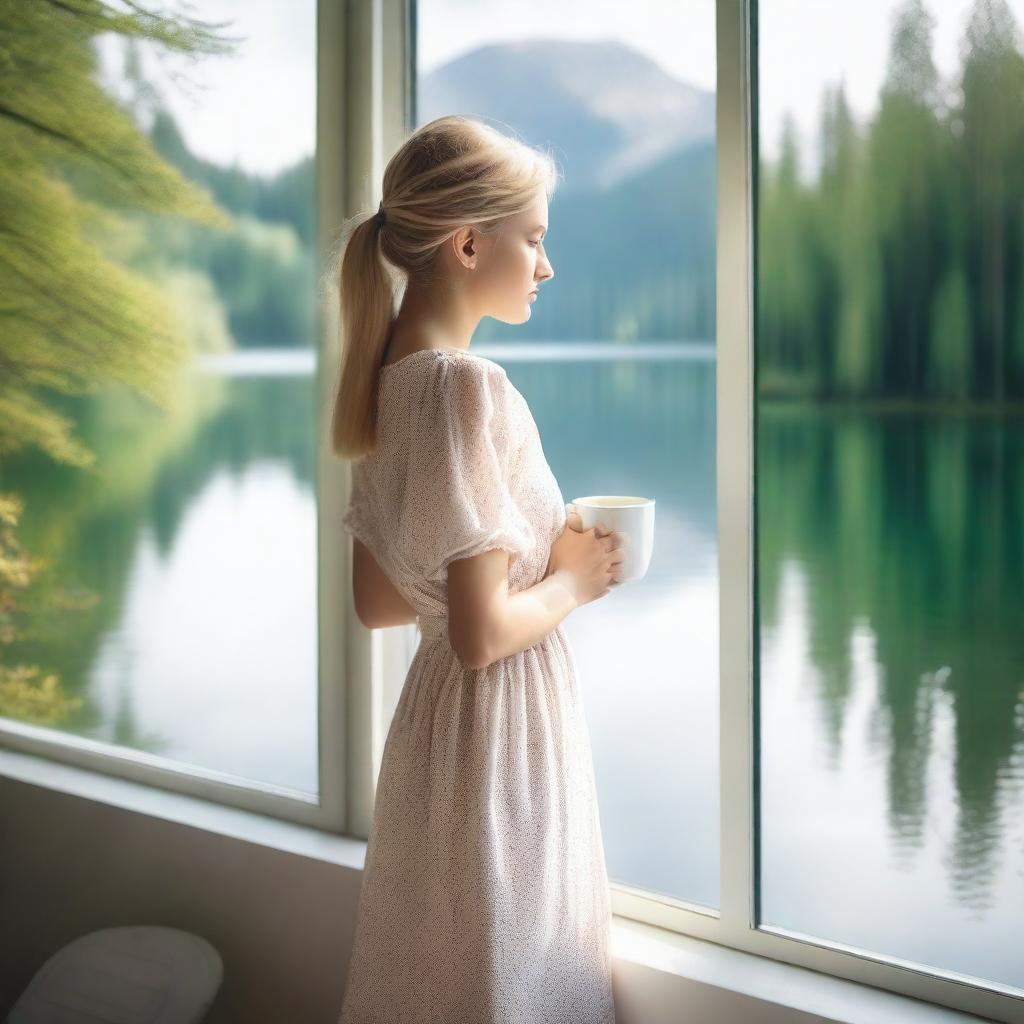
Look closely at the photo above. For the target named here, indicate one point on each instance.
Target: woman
(485, 895)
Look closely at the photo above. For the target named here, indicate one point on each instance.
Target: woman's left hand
(573, 521)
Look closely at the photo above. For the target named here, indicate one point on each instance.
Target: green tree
(843, 300)
(900, 273)
(905, 167)
(992, 185)
(787, 338)
(73, 316)
(73, 160)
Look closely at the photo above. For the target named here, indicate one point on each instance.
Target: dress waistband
(432, 626)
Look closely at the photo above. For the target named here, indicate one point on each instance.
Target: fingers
(602, 531)
(575, 521)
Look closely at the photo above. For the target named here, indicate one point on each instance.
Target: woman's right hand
(591, 557)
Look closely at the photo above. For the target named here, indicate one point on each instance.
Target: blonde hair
(452, 172)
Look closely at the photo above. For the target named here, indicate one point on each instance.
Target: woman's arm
(378, 601)
(486, 623)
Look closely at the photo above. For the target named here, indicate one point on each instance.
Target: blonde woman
(484, 897)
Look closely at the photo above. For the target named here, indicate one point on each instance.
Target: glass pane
(890, 480)
(176, 611)
(617, 363)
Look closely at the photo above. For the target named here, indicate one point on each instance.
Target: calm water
(891, 607)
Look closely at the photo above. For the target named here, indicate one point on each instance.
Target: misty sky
(257, 108)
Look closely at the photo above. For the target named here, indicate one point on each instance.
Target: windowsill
(706, 963)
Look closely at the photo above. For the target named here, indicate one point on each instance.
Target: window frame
(325, 810)
(736, 923)
(366, 109)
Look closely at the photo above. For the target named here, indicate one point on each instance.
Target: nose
(545, 274)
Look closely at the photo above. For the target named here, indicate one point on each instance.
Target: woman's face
(512, 265)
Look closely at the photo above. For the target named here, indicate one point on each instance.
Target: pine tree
(71, 317)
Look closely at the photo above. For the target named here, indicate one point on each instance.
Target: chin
(513, 319)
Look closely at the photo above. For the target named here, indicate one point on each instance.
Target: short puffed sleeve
(459, 498)
(359, 519)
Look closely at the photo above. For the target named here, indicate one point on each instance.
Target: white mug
(628, 515)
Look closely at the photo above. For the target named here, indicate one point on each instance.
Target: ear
(466, 246)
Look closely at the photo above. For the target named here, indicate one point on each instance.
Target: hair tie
(380, 214)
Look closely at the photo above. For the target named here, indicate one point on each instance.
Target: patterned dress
(484, 896)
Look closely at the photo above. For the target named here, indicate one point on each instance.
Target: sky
(257, 108)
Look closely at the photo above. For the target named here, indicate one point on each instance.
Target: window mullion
(734, 452)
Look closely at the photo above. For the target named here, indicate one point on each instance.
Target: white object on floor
(135, 975)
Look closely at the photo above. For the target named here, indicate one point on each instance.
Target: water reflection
(647, 656)
(891, 583)
(197, 532)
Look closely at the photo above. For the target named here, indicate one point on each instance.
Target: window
(890, 366)
(617, 363)
(176, 612)
(846, 551)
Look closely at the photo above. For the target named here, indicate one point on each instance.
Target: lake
(891, 627)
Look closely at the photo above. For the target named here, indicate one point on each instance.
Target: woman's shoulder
(447, 378)
(461, 361)
(477, 372)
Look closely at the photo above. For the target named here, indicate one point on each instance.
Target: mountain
(632, 224)
(605, 110)
(632, 263)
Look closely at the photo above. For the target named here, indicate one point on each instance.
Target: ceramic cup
(628, 515)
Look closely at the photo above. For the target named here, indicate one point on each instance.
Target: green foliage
(261, 269)
(900, 274)
(27, 692)
(72, 316)
(260, 273)
(950, 337)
